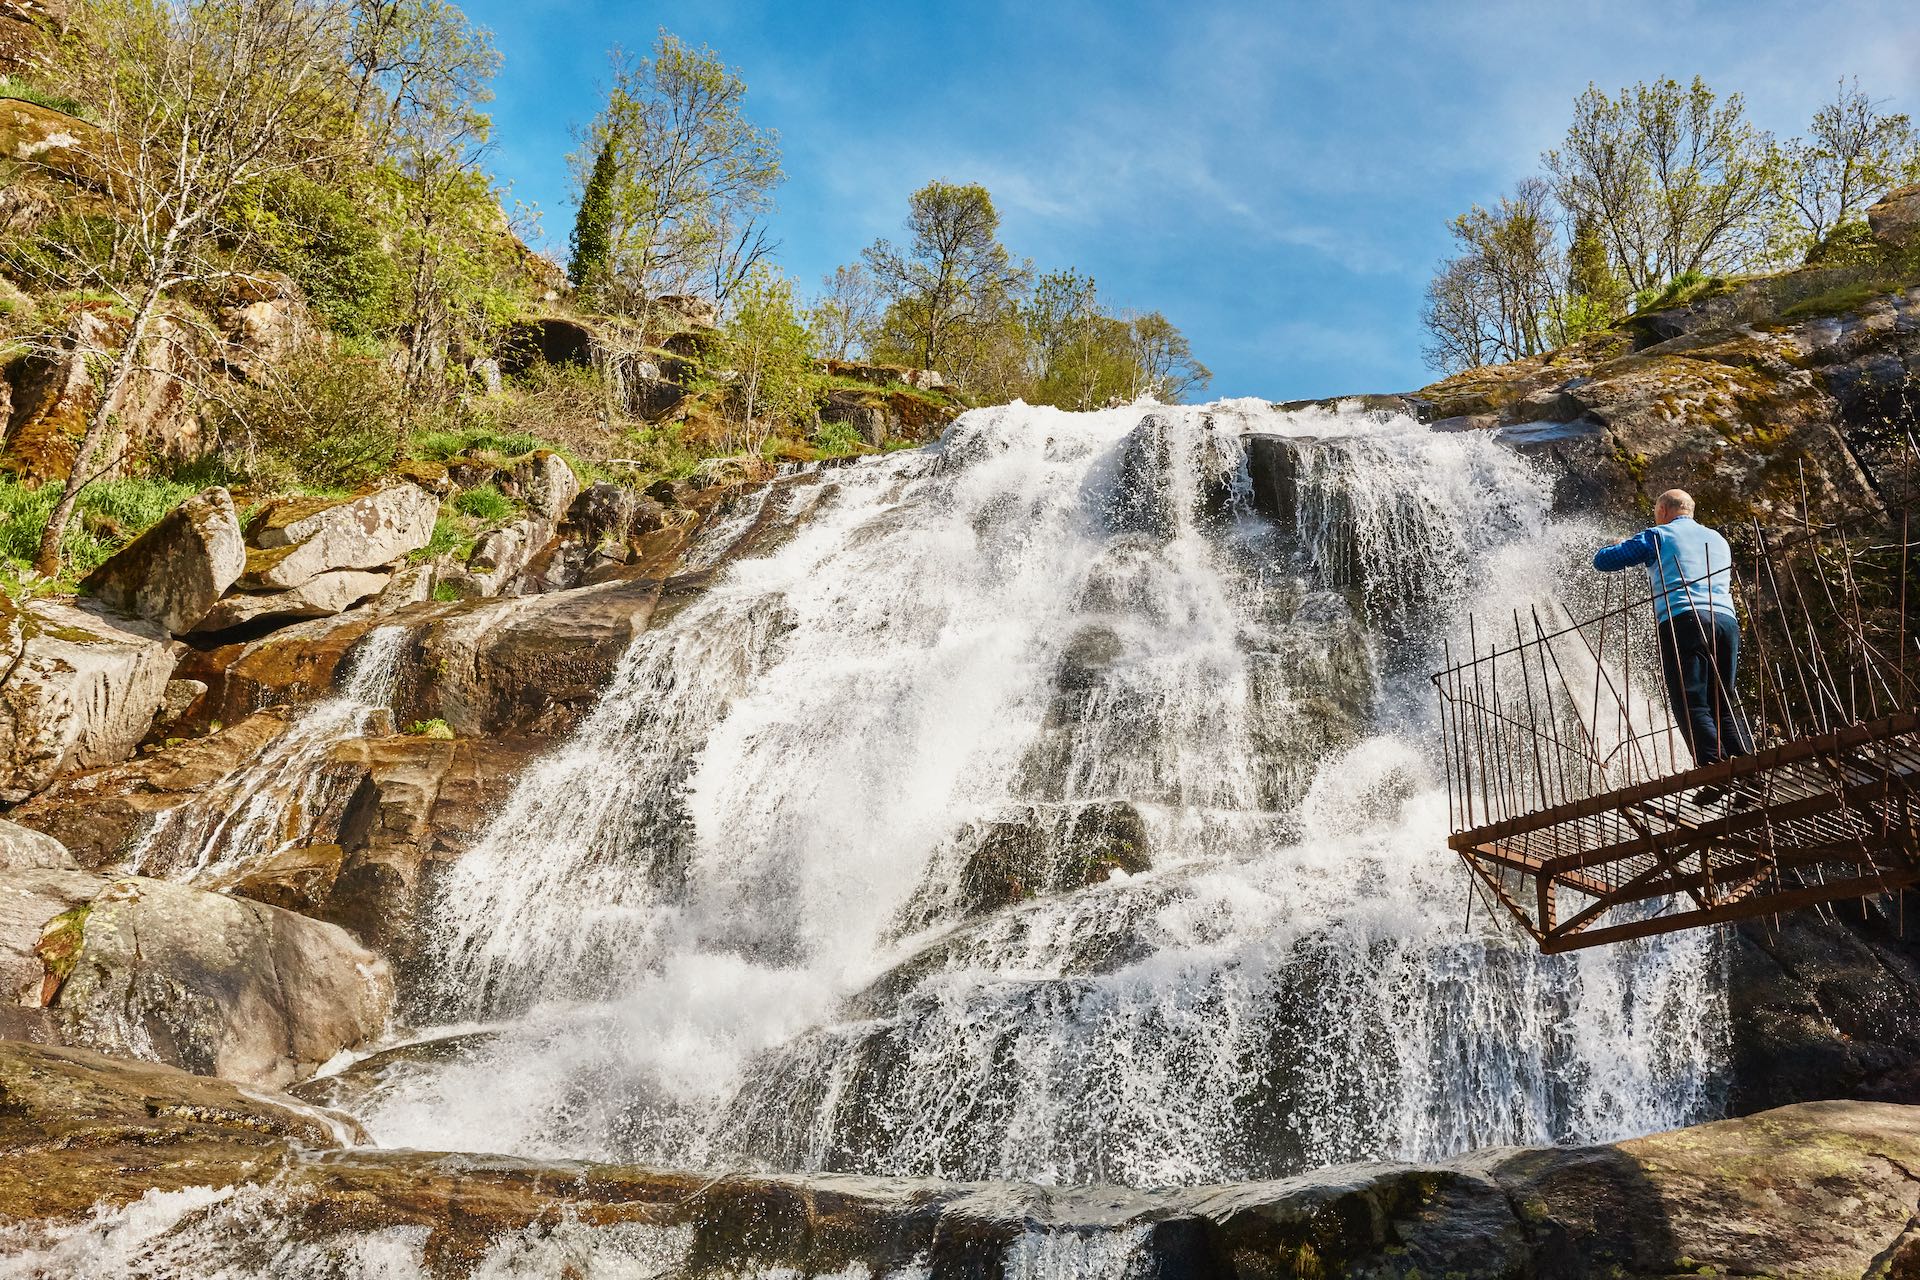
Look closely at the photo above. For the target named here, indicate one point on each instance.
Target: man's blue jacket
(1688, 565)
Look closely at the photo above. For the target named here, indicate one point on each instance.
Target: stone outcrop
(173, 574)
(545, 482)
(24, 849)
(1895, 218)
(29, 898)
(26, 31)
(320, 596)
(1813, 1190)
(297, 539)
(214, 984)
(76, 692)
(1721, 395)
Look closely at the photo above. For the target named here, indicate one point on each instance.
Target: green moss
(445, 592)
(438, 730)
(61, 942)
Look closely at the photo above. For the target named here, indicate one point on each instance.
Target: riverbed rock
(318, 597)
(1813, 1190)
(216, 985)
(298, 539)
(173, 573)
(545, 482)
(79, 691)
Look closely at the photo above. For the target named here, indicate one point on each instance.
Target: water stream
(1043, 809)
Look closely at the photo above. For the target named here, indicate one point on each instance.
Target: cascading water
(1042, 810)
(273, 801)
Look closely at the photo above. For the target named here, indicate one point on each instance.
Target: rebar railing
(1567, 768)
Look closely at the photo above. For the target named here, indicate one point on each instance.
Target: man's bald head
(1672, 504)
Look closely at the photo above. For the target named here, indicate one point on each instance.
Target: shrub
(484, 502)
(321, 419)
(317, 236)
(449, 538)
(431, 729)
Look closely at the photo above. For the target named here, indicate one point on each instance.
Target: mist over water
(1040, 809)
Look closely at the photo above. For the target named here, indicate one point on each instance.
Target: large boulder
(297, 539)
(24, 849)
(29, 899)
(78, 692)
(174, 573)
(545, 482)
(214, 984)
(320, 596)
(1895, 218)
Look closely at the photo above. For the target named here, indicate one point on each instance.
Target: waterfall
(1056, 804)
(275, 800)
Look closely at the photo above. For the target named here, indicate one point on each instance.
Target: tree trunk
(46, 558)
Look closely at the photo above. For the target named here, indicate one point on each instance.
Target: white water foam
(274, 801)
(735, 918)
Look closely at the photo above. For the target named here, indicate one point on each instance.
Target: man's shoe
(1709, 795)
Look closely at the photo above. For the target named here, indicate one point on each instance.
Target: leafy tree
(1671, 178)
(692, 176)
(593, 225)
(1164, 359)
(327, 245)
(845, 314)
(771, 351)
(1853, 155)
(202, 101)
(954, 282)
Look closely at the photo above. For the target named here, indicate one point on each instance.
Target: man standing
(1691, 570)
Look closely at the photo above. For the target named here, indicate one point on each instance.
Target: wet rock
(299, 879)
(300, 538)
(354, 1088)
(98, 814)
(321, 596)
(1815, 1190)
(1150, 495)
(173, 573)
(77, 692)
(217, 985)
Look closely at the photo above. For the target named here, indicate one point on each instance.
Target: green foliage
(66, 247)
(1682, 289)
(837, 439)
(1849, 244)
(436, 729)
(27, 91)
(952, 280)
(484, 502)
(450, 538)
(481, 439)
(321, 418)
(592, 242)
(315, 235)
(691, 177)
(1852, 155)
(445, 592)
(112, 514)
(771, 349)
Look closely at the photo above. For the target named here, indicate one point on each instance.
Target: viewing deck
(1573, 796)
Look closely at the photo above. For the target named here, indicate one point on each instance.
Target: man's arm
(1624, 555)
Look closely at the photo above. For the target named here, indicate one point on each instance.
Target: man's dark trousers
(1700, 655)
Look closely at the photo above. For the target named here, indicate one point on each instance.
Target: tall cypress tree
(592, 240)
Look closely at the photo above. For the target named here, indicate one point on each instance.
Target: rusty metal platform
(1572, 793)
(1815, 820)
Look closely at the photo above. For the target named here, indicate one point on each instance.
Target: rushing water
(277, 799)
(1040, 809)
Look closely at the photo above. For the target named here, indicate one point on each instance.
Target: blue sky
(1275, 177)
